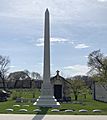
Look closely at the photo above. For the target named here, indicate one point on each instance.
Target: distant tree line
(24, 77)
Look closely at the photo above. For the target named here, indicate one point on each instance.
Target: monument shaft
(47, 98)
(46, 71)
(46, 87)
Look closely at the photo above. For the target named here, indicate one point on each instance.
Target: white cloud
(86, 56)
(12, 66)
(81, 9)
(40, 44)
(77, 69)
(102, 0)
(81, 46)
(105, 55)
(72, 42)
(59, 40)
(40, 41)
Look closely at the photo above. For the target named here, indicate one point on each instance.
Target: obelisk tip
(47, 10)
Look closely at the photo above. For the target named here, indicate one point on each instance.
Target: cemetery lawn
(87, 104)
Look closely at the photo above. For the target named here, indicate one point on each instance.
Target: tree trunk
(94, 91)
(4, 85)
(15, 84)
(76, 97)
(33, 94)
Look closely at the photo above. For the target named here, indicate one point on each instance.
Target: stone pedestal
(47, 101)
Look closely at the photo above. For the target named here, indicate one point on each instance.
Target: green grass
(88, 104)
(25, 93)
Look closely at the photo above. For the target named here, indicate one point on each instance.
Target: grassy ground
(88, 104)
(25, 93)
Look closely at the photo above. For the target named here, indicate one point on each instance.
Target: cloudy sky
(78, 27)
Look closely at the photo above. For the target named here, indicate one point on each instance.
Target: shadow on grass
(41, 115)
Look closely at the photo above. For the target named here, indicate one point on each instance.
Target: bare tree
(35, 75)
(27, 72)
(4, 62)
(29, 76)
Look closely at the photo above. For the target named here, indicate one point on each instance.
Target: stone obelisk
(47, 98)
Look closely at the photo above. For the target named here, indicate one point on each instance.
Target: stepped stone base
(47, 101)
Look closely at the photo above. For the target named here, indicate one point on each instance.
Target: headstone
(55, 110)
(23, 110)
(16, 105)
(83, 110)
(37, 110)
(97, 110)
(68, 110)
(9, 110)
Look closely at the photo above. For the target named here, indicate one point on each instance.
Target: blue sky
(77, 28)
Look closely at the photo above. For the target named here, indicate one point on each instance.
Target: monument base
(47, 101)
